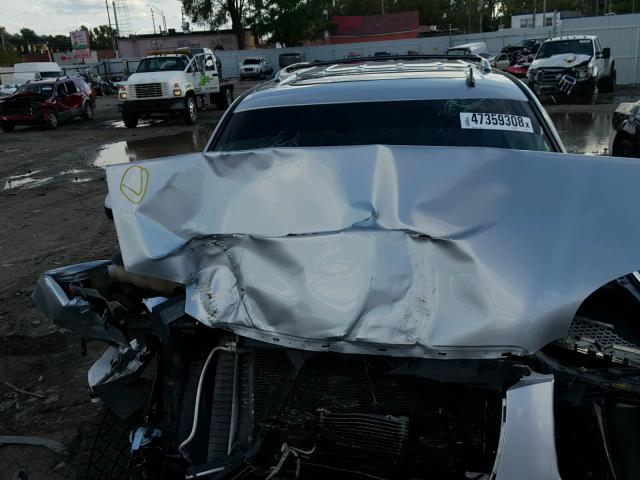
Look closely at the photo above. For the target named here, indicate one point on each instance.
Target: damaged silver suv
(378, 268)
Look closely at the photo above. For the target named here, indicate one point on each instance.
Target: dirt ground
(51, 212)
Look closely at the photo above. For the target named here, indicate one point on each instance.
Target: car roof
(367, 80)
(573, 37)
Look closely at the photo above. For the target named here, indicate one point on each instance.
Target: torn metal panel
(74, 313)
(527, 447)
(418, 251)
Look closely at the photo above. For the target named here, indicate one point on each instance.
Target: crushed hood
(564, 60)
(415, 251)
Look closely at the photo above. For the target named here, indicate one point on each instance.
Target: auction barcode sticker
(496, 121)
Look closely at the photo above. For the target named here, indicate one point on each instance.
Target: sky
(52, 17)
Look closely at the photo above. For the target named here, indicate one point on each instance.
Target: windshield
(162, 64)
(468, 122)
(38, 88)
(526, 43)
(458, 51)
(579, 47)
(252, 61)
(54, 74)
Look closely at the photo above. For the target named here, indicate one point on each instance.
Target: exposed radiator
(379, 434)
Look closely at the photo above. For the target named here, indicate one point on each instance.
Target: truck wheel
(191, 110)
(106, 450)
(624, 148)
(130, 120)
(589, 94)
(87, 111)
(52, 120)
(7, 127)
(610, 83)
(225, 98)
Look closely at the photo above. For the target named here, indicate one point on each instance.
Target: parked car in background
(283, 72)
(100, 86)
(47, 102)
(624, 140)
(525, 46)
(255, 67)
(572, 66)
(501, 61)
(8, 89)
(289, 58)
(30, 71)
(519, 69)
(476, 48)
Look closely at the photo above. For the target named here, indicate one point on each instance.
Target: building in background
(371, 28)
(140, 45)
(540, 20)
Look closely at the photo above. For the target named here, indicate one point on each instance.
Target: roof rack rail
(483, 62)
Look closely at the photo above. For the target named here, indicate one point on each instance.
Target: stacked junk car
(377, 269)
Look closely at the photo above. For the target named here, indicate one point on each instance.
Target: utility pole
(115, 17)
(480, 13)
(4, 46)
(153, 20)
(534, 13)
(113, 38)
(382, 6)
(544, 13)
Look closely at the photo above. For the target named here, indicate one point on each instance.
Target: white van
(30, 71)
(477, 48)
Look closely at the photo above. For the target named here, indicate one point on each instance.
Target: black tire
(7, 127)
(225, 98)
(106, 450)
(130, 119)
(87, 111)
(624, 148)
(190, 110)
(610, 84)
(588, 93)
(52, 120)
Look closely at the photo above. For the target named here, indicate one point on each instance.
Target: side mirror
(37, 76)
(209, 63)
(606, 53)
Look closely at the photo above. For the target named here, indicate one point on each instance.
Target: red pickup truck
(47, 102)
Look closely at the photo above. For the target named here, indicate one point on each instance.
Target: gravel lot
(51, 205)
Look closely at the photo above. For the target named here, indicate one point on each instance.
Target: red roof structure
(369, 28)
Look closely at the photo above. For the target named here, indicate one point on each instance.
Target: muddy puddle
(583, 132)
(121, 152)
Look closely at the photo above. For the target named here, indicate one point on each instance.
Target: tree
(102, 37)
(218, 12)
(289, 22)
(28, 36)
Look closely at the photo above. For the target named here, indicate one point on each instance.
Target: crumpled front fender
(75, 313)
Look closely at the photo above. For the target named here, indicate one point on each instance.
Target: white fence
(619, 32)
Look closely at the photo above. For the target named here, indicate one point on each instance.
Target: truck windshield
(37, 88)
(162, 64)
(252, 61)
(53, 74)
(458, 51)
(579, 47)
(464, 122)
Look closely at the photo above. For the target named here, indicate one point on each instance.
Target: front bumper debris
(165, 105)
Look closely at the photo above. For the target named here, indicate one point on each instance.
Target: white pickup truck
(572, 66)
(175, 83)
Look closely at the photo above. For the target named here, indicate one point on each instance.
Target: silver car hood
(414, 251)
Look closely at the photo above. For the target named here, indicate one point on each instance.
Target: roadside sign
(80, 44)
